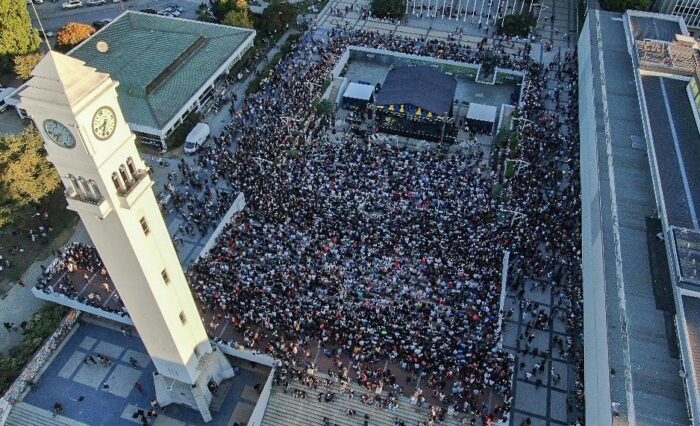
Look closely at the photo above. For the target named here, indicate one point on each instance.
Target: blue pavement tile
(98, 407)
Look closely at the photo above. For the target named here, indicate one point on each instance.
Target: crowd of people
(374, 253)
(387, 260)
(80, 263)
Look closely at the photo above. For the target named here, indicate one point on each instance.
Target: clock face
(104, 123)
(59, 133)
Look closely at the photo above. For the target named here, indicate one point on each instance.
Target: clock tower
(75, 109)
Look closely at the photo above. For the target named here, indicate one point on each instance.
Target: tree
(390, 9)
(17, 37)
(222, 7)
(622, 5)
(237, 18)
(516, 25)
(324, 107)
(72, 34)
(26, 176)
(276, 17)
(25, 64)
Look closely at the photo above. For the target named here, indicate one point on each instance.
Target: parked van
(196, 138)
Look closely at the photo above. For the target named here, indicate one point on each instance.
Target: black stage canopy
(422, 87)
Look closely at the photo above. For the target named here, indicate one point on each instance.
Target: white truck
(196, 138)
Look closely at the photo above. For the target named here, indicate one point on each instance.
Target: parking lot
(53, 16)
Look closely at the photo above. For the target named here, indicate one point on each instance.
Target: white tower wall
(65, 90)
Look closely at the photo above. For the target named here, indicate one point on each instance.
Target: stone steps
(284, 409)
(24, 414)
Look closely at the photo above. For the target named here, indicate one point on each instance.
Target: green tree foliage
(26, 176)
(25, 64)
(622, 5)
(238, 18)
(516, 25)
(324, 107)
(17, 37)
(222, 7)
(276, 17)
(72, 34)
(392, 9)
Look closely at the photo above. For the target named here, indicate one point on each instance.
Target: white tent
(362, 92)
(481, 112)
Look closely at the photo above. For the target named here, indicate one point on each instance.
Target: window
(125, 176)
(95, 189)
(130, 165)
(165, 276)
(74, 183)
(117, 183)
(144, 226)
(183, 318)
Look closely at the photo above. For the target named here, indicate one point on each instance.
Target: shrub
(72, 34)
(390, 9)
(39, 328)
(24, 65)
(177, 138)
(516, 25)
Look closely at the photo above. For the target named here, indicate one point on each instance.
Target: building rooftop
(655, 27)
(628, 327)
(182, 56)
(675, 143)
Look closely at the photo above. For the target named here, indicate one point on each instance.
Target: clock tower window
(125, 175)
(75, 186)
(95, 189)
(118, 185)
(132, 168)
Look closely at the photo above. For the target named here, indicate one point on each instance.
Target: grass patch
(20, 250)
(510, 170)
(38, 329)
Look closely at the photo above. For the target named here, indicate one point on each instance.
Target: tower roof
(62, 80)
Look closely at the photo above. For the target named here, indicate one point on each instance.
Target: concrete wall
(260, 407)
(64, 300)
(237, 206)
(596, 378)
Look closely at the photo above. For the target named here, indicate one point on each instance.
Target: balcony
(81, 203)
(133, 188)
(133, 183)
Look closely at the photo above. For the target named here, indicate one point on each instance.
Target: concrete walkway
(20, 304)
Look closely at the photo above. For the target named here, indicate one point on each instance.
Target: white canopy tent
(481, 117)
(358, 91)
(481, 112)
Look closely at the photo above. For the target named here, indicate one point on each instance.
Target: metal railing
(131, 184)
(85, 198)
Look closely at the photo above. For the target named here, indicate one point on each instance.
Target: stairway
(284, 409)
(24, 414)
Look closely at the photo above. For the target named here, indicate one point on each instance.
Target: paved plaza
(557, 21)
(98, 394)
(545, 402)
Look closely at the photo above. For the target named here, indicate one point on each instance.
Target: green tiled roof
(160, 62)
